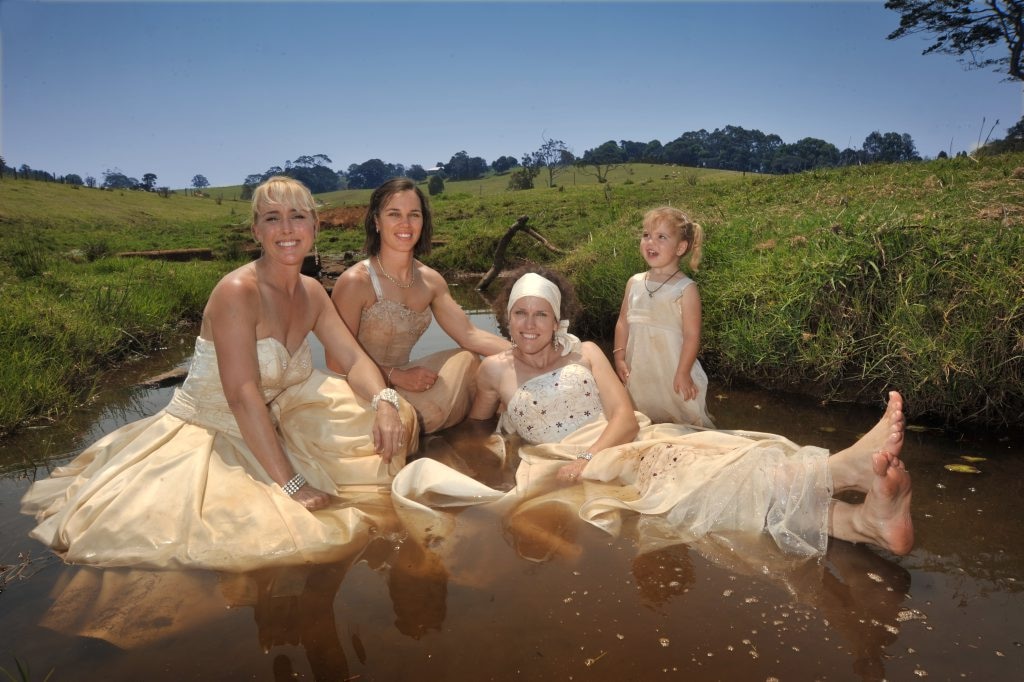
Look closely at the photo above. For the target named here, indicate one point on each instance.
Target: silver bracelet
(293, 485)
(388, 395)
(585, 455)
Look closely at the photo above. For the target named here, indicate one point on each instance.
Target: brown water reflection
(541, 595)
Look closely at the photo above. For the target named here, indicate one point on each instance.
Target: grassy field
(835, 284)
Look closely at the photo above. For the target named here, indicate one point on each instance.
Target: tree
(503, 164)
(435, 185)
(552, 156)
(200, 181)
(73, 179)
(115, 179)
(90, 181)
(805, 154)
(967, 28)
(689, 149)
(889, 148)
(249, 185)
(148, 181)
(602, 158)
(370, 174)
(522, 178)
(462, 166)
(416, 172)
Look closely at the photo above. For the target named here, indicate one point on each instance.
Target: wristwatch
(388, 395)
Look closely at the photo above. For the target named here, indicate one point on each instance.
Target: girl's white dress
(652, 352)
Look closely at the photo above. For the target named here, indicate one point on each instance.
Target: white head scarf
(532, 284)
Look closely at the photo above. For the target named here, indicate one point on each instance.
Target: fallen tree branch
(499, 252)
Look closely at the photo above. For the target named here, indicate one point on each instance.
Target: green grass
(837, 284)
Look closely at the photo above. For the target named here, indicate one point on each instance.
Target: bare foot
(852, 468)
(884, 518)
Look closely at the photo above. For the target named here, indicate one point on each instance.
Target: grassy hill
(835, 283)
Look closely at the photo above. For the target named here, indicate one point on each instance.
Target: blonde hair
(690, 232)
(280, 189)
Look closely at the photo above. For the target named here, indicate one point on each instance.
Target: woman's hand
(388, 432)
(414, 379)
(311, 498)
(571, 473)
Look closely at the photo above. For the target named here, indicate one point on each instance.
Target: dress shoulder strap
(373, 279)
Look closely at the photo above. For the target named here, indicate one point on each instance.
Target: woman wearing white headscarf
(564, 401)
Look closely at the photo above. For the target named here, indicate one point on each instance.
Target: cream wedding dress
(182, 489)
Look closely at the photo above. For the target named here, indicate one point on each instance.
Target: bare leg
(884, 517)
(852, 468)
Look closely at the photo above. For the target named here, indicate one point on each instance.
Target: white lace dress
(691, 481)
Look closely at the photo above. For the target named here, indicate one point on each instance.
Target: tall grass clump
(58, 340)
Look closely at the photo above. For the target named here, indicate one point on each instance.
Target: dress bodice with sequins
(200, 399)
(547, 408)
(388, 330)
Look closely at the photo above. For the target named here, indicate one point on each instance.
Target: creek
(567, 603)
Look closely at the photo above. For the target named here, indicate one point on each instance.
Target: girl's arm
(690, 311)
(231, 317)
(622, 337)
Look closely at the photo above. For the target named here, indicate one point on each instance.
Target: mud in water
(545, 596)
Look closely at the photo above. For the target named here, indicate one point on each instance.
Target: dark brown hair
(379, 199)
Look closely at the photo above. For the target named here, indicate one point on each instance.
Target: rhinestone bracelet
(292, 486)
(585, 455)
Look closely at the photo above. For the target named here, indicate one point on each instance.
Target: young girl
(657, 335)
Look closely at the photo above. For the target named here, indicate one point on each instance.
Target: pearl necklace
(652, 292)
(400, 285)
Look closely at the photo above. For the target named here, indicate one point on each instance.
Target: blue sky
(228, 89)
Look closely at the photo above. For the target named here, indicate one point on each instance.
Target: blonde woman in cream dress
(252, 460)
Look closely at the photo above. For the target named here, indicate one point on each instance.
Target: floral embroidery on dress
(540, 410)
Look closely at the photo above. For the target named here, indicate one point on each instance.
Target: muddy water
(546, 597)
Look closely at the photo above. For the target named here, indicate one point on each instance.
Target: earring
(316, 256)
(514, 345)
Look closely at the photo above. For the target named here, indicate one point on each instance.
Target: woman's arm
(456, 323)
(350, 295)
(231, 317)
(618, 411)
(690, 310)
(618, 407)
(622, 337)
(361, 371)
(488, 396)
